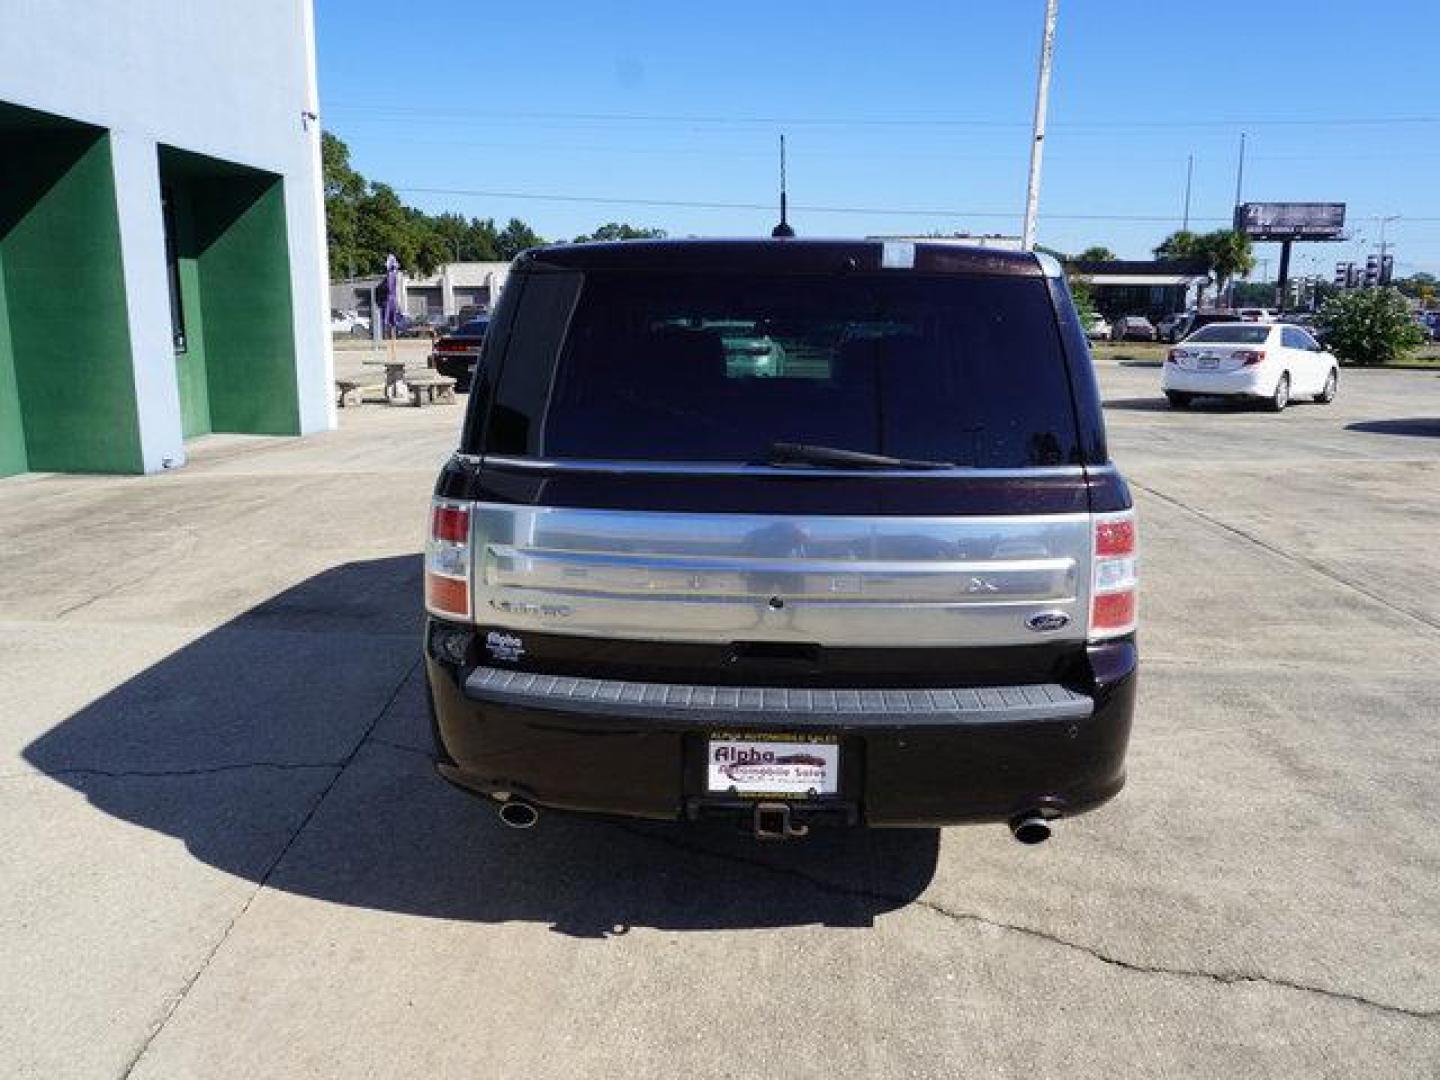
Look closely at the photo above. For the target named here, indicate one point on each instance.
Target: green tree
(387, 226)
(482, 240)
(1096, 253)
(1224, 252)
(1421, 286)
(366, 221)
(1228, 253)
(1369, 327)
(617, 231)
(1084, 297)
(1181, 244)
(344, 188)
(515, 238)
(450, 229)
(431, 247)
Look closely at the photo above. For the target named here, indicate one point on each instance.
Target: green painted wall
(69, 339)
(190, 366)
(12, 427)
(243, 269)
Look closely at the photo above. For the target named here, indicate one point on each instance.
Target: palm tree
(1181, 244)
(1229, 254)
(1225, 253)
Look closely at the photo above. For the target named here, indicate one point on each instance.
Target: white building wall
(147, 291)
(231, 79)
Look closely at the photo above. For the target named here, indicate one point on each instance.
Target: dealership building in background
(452, 289)
(1152, 288)
(162, 235)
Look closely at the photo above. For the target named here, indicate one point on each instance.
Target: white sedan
(1273, 362)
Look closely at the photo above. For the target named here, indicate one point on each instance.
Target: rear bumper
(457, 365)
(1246, 382)
(1059, 750)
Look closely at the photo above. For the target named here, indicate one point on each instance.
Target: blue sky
(899, 106)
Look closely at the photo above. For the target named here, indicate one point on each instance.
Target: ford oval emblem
(1045, 622)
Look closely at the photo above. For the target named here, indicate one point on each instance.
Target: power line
(402, 111)
(886, 211)
(691, 204)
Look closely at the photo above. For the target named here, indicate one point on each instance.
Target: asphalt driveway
(223, 852)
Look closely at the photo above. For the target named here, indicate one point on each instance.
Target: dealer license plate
(773, 765)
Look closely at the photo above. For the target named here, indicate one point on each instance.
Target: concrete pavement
(224, 852)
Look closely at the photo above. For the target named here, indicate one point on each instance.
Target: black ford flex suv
(793, 531)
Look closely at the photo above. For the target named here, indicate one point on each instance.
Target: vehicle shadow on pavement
(1201, 404)
(290, 747)
(1421, 426)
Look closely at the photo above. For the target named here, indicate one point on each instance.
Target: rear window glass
(473, 328)
(1233, 335)
(721, 367)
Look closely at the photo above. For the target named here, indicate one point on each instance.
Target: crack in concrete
(207, 770)
(204, 965)
(1220, 978)
(1289, 556)
(375, 740)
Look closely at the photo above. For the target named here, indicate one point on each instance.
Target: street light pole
(1383, 222)
(1189, 173)
(1240, 170)
(1037, 144)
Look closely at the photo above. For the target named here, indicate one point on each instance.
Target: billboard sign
(1290, 220)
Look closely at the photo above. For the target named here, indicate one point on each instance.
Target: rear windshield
(1233, 335)
(718, 368)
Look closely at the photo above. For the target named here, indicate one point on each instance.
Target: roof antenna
(783, 229)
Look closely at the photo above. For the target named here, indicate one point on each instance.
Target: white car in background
(348, 322)
(1173, 326)
(1273, 362)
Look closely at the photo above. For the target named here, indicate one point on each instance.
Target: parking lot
(225, 853)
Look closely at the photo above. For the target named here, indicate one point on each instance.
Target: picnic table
(394, 374)
(429, 386)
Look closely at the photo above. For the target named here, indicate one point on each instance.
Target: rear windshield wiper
(788, 453)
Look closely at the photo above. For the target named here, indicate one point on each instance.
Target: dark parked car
(886, 578)
(456, 353)
(1133, 328)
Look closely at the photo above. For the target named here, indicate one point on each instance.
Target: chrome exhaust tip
(1031, 828)
(518, 814)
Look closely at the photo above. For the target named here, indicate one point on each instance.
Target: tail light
(447, 560)
(1175, 356)
(1115, 583)
(1249, 357)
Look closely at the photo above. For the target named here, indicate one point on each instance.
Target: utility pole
(1037, 143)
(1239, 187)
(1189, 175)
(1383, 222)
(1240, 170)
